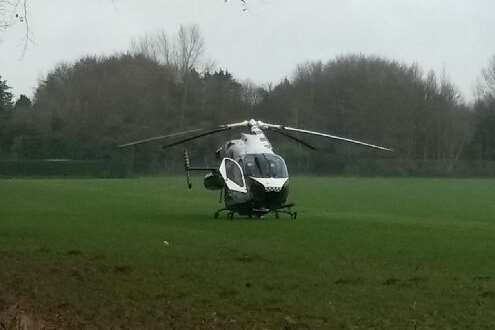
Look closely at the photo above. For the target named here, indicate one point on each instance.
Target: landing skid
(286, 209)
(260, 213)
(230, 213)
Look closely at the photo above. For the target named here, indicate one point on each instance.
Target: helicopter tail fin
(187, 167)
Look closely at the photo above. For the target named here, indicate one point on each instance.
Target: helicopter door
(232, 173)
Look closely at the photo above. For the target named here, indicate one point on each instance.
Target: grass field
(363, 253)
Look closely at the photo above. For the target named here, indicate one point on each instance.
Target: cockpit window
(234, 172)
(265, 166)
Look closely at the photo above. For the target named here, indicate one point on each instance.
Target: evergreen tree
(23, 102)
(5, 96)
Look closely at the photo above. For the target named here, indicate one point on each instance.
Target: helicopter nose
(272, 184)
(267, 195)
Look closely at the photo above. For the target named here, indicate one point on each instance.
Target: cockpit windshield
(264, 166)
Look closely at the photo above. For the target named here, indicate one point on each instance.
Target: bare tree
(486, 85)
(155, 46)
(14, 12)
(144, 46)
(251, 93)
(185, 51)
(190, 48)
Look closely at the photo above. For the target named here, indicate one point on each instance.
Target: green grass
(363, 253)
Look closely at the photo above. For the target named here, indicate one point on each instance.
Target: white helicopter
(253, 179)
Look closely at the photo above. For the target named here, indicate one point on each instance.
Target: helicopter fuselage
(259, 180)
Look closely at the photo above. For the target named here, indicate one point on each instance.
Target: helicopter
(252, 178)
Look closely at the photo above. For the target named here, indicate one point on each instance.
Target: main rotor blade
(307, 145)
(205, 132)
(194, 137)
(334, 137)
(161, 137)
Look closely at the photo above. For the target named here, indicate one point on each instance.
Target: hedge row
(64, 168)
(118, 168)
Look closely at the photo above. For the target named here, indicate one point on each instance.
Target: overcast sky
(266, 42)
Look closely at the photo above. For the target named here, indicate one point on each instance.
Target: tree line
(164, 83)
